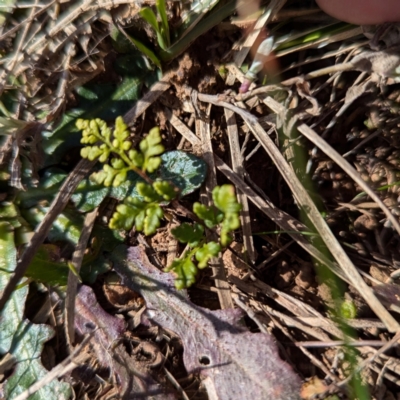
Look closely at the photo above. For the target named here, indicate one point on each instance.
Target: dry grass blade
(237, 165)
(345, 165)
(316, 219)
(272, 9)
(28, 20)
(148, 99)
(369, 360)
(221, 283)
(312, 358)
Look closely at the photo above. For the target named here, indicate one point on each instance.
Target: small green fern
(145, 213)
(223, 214)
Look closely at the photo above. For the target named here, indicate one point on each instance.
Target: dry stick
(316, 219)
(209, 98)
(176, 385)
(221, 283)
(313, 359)
(237, 166)
(334, 343)
(354, 323)
(57, 206)
(271, 11)
(345, 165)
(369, 360)
(148, 99)
(249, 311)
(72, 285)
(293, 322)
(70, 363)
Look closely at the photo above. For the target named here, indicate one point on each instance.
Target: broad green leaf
(14, 308)
(105, 101)
(6, 10)
(67, 229)
(27, 348)
(9, 213)
(21, 338)
(188, 233)
(186, 171)
(47, 267)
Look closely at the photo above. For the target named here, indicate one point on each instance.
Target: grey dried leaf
(238, 364)
(384, 63)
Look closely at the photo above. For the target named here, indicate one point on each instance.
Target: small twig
(147, 100)
(77, 258)
(269, 14)
(176, 385)
(249, 311)
(312, 358)
(334, 343)
(221, 283)
(208, 98)
(237, 165)
(369, 360)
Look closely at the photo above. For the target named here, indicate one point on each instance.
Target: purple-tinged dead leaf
(89, 316)
(133, 376)
(235, 363)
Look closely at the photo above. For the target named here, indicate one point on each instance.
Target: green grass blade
(148, 15)
(145, 50)
(161, 8)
